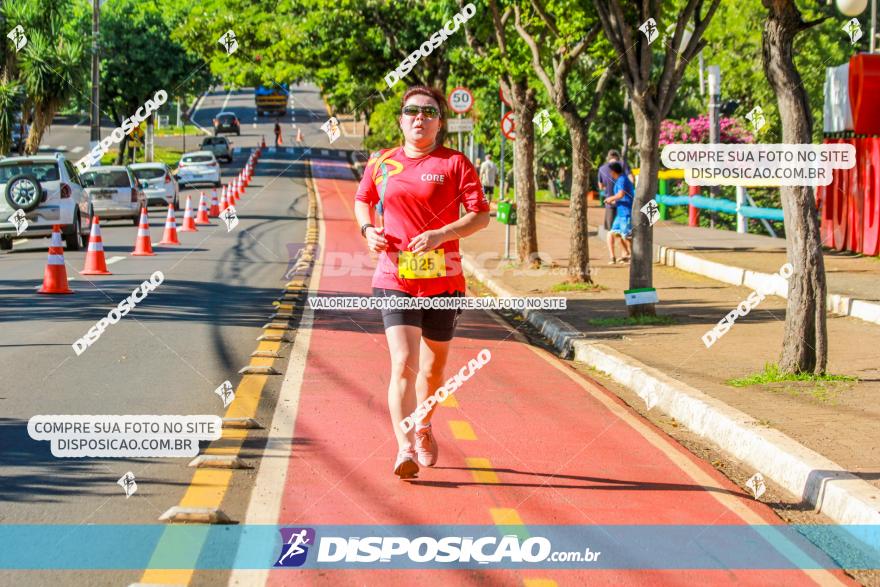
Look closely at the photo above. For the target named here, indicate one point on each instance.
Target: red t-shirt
(421, 194)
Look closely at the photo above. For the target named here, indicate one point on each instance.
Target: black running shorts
(438, 325)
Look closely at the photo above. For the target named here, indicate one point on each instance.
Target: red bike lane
(526, 441)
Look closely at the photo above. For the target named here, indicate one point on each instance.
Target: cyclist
(420, 187)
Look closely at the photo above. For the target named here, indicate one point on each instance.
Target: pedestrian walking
(488, 175)
(420, 187)
(299, 136)
(277, 133)
(622, 199)
(606, 184)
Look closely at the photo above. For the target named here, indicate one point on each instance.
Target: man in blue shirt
(606, 183)
(622, 200)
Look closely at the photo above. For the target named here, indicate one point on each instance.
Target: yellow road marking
(485, 474)
(505, 517)
(462, 430)
(539, 583)
(449, 402)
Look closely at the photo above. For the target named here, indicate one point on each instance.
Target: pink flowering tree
(696, 130)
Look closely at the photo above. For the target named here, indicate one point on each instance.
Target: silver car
(220, 146)
(198, 167)
(157, 182)
(114, 192)
(48, 191)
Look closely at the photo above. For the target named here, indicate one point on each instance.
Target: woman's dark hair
(616, 167)
(435, 95)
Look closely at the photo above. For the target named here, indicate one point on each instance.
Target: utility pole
(714, 122)
(95, 135)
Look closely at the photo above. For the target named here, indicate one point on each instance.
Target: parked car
(158, 183)
(226, 122)
(220, 146)
(114, 192)
(198, 167)
(48, 190)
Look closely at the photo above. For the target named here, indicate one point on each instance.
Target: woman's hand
(427, 241)
(376, 239)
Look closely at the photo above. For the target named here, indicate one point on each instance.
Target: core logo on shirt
(433, 177)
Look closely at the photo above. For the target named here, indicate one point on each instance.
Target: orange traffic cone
(142, 246)
(202, 215)
(215, 206)
(96, 264)
(235, 192)
(169, 237)
(224, 204)
(189, 224)
(55, 275)
(263, 143)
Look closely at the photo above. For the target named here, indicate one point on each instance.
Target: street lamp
(95, 133)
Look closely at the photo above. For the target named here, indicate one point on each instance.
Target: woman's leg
(403, 346)
(432, 361)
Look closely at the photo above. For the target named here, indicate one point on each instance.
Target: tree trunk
(805, 342)
(525, 104)
(44, 112)
(642, 262)
(579, 246)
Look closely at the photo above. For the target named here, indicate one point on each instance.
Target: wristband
(364, 229)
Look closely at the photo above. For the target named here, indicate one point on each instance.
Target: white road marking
(62, 148)
(112, 260)
(226, 101)
(325, 152)
(76, 149)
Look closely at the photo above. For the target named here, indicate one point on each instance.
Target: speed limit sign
(461, 100)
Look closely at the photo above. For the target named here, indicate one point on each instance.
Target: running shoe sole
(406, 469)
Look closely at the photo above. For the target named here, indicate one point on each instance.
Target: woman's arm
(364, 213)
(465, 226)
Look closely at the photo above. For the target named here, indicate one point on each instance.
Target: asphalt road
(166, 357)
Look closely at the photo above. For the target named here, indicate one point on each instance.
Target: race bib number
(421, 266)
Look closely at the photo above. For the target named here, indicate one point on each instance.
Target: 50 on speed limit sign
(460, 100)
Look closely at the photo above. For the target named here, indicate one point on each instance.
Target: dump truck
(271, 99)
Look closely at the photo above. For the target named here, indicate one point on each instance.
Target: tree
(569, 47)
(140, 57)
(805, 340)
(50, 66)
(506, 59)
(651, 101)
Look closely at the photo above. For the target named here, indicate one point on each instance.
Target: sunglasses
(428, 111)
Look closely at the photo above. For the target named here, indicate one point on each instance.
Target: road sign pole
(459, 136)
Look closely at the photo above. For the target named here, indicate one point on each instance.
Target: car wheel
(73, 239)
(136, 220)
(24, 192)
(5, 244)
(238, 134)
(217, 184)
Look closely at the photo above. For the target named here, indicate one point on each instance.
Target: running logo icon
(18, 38)
(128, 484)
(19, 220)
(295, 546)
(649, 27)
(543, 122)
(229, 42)
(854, 30)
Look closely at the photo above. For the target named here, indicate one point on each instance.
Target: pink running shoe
(426, 446)
(406, 467)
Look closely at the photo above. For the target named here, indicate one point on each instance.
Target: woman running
(419, 187)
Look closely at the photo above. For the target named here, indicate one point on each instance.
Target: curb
(838, 494)
(837, 303)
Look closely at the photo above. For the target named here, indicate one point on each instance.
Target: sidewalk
(727, 256)
(499, 464)
(836, 419)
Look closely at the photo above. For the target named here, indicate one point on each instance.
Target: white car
(48, 190)
(114, 192)
(158, 183)
(199, 167)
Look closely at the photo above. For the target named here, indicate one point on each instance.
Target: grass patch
(633, 321)
(771, 374)
(163, 154)
(566, 286)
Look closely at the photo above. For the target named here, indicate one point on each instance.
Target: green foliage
(772, 374)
